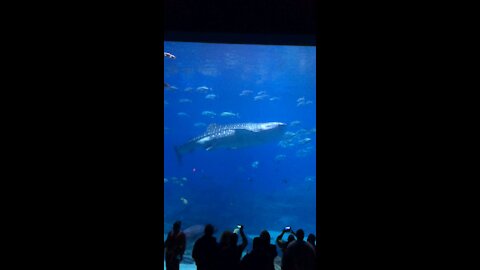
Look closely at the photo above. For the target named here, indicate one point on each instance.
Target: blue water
(221, 186)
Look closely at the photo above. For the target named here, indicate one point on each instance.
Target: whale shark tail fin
(181, 150)
(178, 154)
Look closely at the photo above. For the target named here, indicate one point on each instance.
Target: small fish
(261, 93)
(301, 101)
(274, 98)
(184, 179)
(165, 180)
(183, 114)
(185, 201)
(188, 89)
(313, 130)
(310, 179)
(295, 123)
(229, 114)
(304, 141)
(285, 144)
(165, 102)
(169, 55)
(185, 100)
(199, 124)
(255, 164)
(280, 157)
(262, 97)
(209, 113)
(203, 89)
(169, 87)
(245, 93)
(211, 96)
(302, 132)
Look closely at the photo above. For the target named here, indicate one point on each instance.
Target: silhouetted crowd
(297, 254)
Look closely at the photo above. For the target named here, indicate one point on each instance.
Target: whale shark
(232, 136)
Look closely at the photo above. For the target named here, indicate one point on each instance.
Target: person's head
(311, 239)
(300, 234)
(257, 243)
(209, 229)
(177, 225)
(225, 239)
(290, 238)
(265, 236)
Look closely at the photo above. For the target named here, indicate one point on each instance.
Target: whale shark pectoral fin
(209, 145)
(244, 132)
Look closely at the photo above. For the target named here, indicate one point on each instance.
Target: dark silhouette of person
(311, 240)
(238, 249)
(174, 247)
(205, 250)
(226, 251)
(299, 255)
(283, 244)
(229, 252)
(257, 258)
(269, 249)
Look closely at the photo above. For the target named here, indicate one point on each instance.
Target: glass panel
(246, 168)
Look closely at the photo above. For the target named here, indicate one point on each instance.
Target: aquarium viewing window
(239, 138)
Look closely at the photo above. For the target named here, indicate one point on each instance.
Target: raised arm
(244, 239)
(279, 240)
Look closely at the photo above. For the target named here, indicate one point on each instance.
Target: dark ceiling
(297, 17)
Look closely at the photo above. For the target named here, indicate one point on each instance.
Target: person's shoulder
(291, 244)
(311, 247)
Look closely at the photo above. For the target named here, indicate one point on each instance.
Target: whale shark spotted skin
(233, 136)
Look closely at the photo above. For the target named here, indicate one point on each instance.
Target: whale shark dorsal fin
(212, 127)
